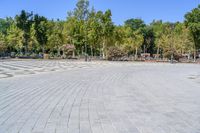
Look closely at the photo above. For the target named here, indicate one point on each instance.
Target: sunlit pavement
(99, 97)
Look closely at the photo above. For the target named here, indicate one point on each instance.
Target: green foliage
(184, 40)
(74, 33)
(106, 31)
(42, 34)
(81, 11)
(32, 42)
(192, 21)
(5, 24)
(41, 28)
(15, 37)
(129, 39)
(149, 39)
(94, 33)
(55, 35)
(2, 43)
(119, 36)
(24, 22)
(135, 24)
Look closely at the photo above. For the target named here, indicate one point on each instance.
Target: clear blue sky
(167, 10)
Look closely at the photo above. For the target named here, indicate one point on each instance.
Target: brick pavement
(99, 97)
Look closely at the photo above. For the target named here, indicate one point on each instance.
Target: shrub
(115, 53)
(168, 54)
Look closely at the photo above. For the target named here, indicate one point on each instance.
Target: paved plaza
(61, 96)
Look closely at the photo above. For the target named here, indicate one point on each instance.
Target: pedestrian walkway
(99, 97)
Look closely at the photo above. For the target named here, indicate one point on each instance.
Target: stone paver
(99, 97)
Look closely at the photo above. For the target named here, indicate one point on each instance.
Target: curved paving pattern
(19, 68)
(99, 97)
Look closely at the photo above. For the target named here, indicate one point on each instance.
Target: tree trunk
(43, 51)
(58, 51)
(158, 49)
(172, 58)
(100, 51)
(81, 51)
(136, 52)
(195, 54)
(195, 44)
(92, 54)
(103, 50)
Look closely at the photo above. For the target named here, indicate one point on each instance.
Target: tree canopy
(94, 33)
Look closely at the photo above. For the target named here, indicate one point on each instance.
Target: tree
(73, 34)
(119, 35)
(138, 41)
(107, 30)
(192, 21)
(93, 31)
(41, 28)
(24, 22)
(149, 38)
(133, 40)
(2, 43)
(184, 40)
(135, 24)
(169, 42)
(77, 34)
(158, 29)
(5, 24)
(42, 34)
(164, 37)
(32, 42)
(55, 36)
(81, 11)
(128, 39)
(15, 38)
